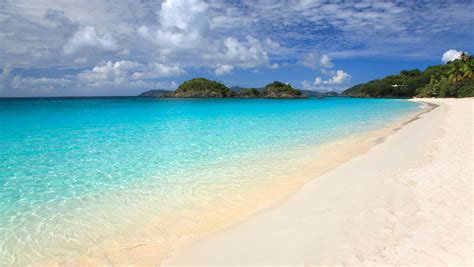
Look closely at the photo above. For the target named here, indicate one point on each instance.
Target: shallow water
(78, 175)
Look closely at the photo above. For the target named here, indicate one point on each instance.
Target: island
(205, 88)
(202, 88)
(249, 93)
(156, 93)
(454, 79)
(281, 90)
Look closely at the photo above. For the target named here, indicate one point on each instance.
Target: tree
(455, 73)
(454, 79)
(464, 57)
(468, 70)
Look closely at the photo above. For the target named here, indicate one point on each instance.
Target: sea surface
(80, 177)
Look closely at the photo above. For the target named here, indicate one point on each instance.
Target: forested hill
(205, 88)
(454, 79)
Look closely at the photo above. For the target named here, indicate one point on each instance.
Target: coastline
(375, 208)
(259, 199)
(260, 187)
(139, 247)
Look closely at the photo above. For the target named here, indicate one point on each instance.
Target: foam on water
(81, 175)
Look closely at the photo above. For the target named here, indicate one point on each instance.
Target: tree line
(454, 79)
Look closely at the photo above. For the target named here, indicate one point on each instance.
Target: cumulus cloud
(222, 69)
(451, 55)
(339, 78)
(222, 35)
(109, 78)
(249, 54)
(88, 37)
(318, 81)
(342, 29)
(183, 24)
(316, 61)
(117, 72)
(123, 72)
(183, 33)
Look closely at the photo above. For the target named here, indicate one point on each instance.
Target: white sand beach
(409, 200)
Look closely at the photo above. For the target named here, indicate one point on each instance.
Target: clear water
(78, 174)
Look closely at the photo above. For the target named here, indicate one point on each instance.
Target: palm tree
(434, 86)
(468, 71)
(455, 74)
(464, 57)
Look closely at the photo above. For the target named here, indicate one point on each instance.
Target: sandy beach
(408, 200)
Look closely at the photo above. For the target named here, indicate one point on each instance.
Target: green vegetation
(203, 88)
(156, 93)
(454, 79)
(280, 90)
(249, 93)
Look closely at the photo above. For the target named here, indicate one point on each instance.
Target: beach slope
(409, 200)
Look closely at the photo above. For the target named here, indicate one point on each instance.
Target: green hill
(454, 79)
(280, 90)
(249, 93)
(203, 88)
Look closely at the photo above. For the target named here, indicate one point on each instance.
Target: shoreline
(354, 145)
(221, 247)
(139, 248)
(266, 181)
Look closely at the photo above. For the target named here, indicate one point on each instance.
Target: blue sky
(68, 48)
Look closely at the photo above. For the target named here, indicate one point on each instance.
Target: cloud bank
(171, 38)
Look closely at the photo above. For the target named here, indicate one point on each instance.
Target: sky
(101, 48)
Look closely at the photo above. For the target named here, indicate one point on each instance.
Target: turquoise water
(77, 174)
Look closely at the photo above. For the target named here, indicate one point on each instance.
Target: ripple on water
(95, 179)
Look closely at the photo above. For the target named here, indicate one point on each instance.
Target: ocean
(86, 177)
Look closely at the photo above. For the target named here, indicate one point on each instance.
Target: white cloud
(123, 72)
(245, 55)
(183, 34)
(315, 61)
(32, 33)
(40, 86)
(325, 62)
(117, 72)
(183, 24)
(274, 66)
(109, 78)
(451, 55)
(183, 15)
(157, 70)
(335, 82)
(340, 77)
(318, 81)
(222, 69)
(88, 37)
(43, 35)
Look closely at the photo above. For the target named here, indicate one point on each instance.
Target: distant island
(205, 88)
(454, 79)
(258, 91)
(156, 93)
